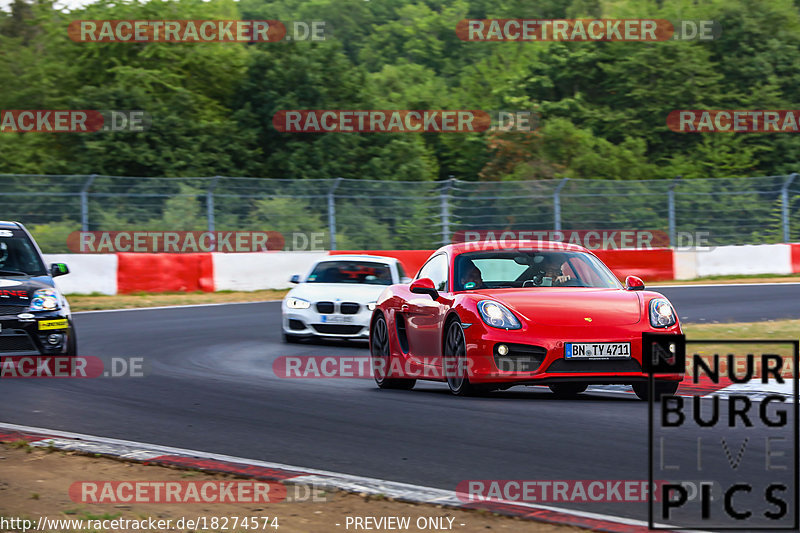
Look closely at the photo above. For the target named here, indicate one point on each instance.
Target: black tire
(454, 363)
(663, 388)
(72, 343)
(567, 390)
(291, 339)
(381, 358)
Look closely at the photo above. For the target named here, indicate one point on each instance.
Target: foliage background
(602, 105)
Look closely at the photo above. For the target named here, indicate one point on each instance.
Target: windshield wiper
(13, 272)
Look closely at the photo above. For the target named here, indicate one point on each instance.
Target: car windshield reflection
(361, 272)
(535, 269)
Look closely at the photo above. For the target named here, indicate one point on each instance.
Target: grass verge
(93, 302)
(769, 329)
(733, 280)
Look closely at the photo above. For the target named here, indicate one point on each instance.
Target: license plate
(53, 324)
(336, 319)
(597, 350)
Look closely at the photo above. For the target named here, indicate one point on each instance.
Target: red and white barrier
(165, 273)
(258, 271)
(411, 260)
(795, 256)
(133, 272)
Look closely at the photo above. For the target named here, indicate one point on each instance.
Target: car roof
(358, 257)
(525, 245)
(10, 225)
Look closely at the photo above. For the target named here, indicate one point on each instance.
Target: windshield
(504, 269)
(18, 257)
(364, 272)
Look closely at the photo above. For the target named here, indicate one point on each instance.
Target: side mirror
(295, 279)
(424, 286)
(58, 269)
(632, 283)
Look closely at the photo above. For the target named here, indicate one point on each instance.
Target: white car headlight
(297, 303)
(497, 315)
(44, 300)
(662, 315)
(372, 305)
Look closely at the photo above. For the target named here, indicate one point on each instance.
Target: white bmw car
(335, 299)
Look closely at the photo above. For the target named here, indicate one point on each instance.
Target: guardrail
(391, 215)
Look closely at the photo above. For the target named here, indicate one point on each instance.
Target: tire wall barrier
(795, 257)
(650, 265)
(133, 272)
(165, 273)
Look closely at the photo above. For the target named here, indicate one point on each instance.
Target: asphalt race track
(209, 386)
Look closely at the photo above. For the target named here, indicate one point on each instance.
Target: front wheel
(456, 365)
(72, 343)
(663, 388)
(382, 356)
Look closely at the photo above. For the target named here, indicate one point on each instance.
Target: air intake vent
(349, 308)
(325, 307)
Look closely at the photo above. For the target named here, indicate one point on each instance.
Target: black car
(35, 317)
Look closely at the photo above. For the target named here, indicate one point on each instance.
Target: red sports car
(486, 316)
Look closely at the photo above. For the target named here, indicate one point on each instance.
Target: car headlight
(662, 315)
(497, 315)
(297, 303)
(372, 305)
(44, 300)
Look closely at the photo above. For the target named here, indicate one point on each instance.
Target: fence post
(332, 212)
(210, 204)
(671, 210)
(785, 205)
(85, 202)
(444, 204)
(557, 204)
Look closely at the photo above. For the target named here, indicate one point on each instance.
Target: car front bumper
(29, 336)
(540, 358)
(309, 323)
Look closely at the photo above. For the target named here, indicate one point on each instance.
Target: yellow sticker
(53, 324)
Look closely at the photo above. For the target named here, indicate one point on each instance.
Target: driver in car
(471, 276)
(550, 267)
